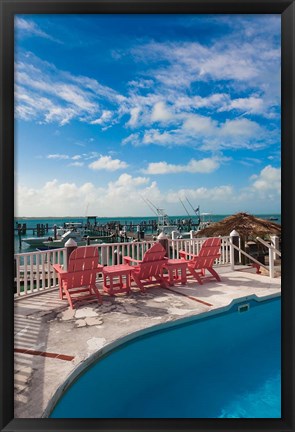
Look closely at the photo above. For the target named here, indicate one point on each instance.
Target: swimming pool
(225, 365)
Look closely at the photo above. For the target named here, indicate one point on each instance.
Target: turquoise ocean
(126, 220)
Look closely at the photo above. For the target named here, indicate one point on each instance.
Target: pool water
(227, 365)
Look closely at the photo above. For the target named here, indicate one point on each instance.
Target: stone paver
(84, 312)
(95, 344)
(93, 321)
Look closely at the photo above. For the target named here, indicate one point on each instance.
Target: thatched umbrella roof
(246, 225)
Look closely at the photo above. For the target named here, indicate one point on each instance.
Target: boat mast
(196, 211)
(148, 204)
(162, 216)
(184, 207)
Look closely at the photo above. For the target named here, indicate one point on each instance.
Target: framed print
(147, 215)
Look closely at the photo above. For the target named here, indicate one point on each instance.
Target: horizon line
(129, 216)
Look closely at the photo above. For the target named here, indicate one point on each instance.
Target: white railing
(269, 246)
(113, 253)
(272, 252)
(194, 245)
(34, 272)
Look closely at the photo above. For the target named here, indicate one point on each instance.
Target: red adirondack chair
(78, 282)
(198, 264)
(149, 270)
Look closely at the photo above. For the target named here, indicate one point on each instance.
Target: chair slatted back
(152, 262)
(82, 267)
(209, 252)
(155, 253)
(151, 268)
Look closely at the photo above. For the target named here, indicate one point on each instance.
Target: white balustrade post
(231, 254)
(104, 254)
(275, 242)
(174, 235)
(191, 234)
(234, 239)
(271, 263)
(70, 246)
(163, 240)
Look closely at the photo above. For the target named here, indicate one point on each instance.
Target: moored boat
(60, 236)
(76, 235)
(35, 242)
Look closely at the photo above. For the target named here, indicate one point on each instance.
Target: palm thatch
(248, 227)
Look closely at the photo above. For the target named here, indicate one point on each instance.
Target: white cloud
(200, 125)
(204, 194)
(31, 28)
(206, 165)
(126, 180)
(75, 96)
(121, 197)
(36, 80)
(164, 95)
(184, 102)
(46, 94)
(249, 60)
(60, 115)
(54, 198)
(241, 127)
(225, 59)
(57, 156)
(133, 139)
(264, 190)
(268, 180)
(104, 118)
(160, 113)
(250, 105)
(154, 136)
(206, 134)
(76, 164)
(249, 161)
(141, 83)
(134, 116)
(29, 106)
(208, 97)
(108, 164)
(102, 162)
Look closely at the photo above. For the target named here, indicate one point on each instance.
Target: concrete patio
(51, 340)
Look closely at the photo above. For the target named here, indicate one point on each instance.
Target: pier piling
(19, 231)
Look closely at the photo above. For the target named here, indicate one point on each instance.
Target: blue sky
(113, 108)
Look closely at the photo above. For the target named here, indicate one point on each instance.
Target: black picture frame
(11, 7)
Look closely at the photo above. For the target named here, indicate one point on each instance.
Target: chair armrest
(128, 260)
(58, 268)
(99, 268)
(184, 254)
